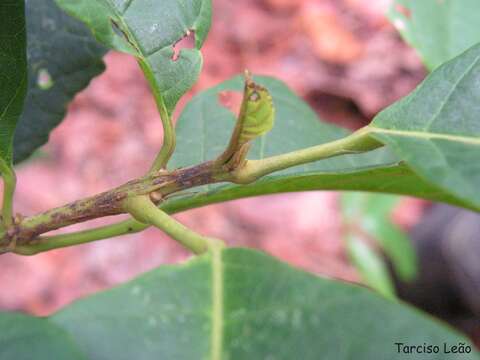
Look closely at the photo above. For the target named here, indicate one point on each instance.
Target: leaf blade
(436, 129)
(13, 73)
(439, 30)
(368, 217)
(270, 309)
(62, 54)
(149, 30)
(371, 266)
(26, 336)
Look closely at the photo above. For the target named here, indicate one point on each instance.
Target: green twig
(42, 244)
(358, 142)
(145, 211)
(9, 183)
(169, 138)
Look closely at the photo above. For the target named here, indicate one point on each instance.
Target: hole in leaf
(231, 100)
(255, 96)
(44, 79)
(186, 42)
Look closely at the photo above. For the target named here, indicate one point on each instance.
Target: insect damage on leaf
(187, 41)
(255, 119)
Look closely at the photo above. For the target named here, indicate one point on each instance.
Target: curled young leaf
(257, 113)
(255, 119)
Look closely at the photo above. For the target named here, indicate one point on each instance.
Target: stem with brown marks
(27, 233)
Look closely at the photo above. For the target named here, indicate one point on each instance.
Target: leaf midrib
(444, 103)
(427, 135)
(217, 304)
(130, 37)
(142, 57)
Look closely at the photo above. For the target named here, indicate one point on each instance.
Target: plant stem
(358, 142)
(145, 211)
(27, 233)
(111, 202)
(9, 183)
(169, 142)
(42, 244)
(169, 138)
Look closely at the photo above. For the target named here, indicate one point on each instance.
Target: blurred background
(348, 62)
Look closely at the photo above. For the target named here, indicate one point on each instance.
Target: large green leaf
(436, 129)
(296, 127)
(26, 338)
(242, 304)
(438, 29)
(13, 73)
(149, 29)
(62, 59)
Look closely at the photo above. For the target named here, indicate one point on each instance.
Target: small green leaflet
(370, 265)
(367, 230)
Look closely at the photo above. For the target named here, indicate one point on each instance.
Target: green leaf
(149, 29)
(62, 59)
(296, 127)
(13, 73)
(254, 307)
(438, 29)
(436, 129)
(370, 265)
(367, 216)
(26, 338)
